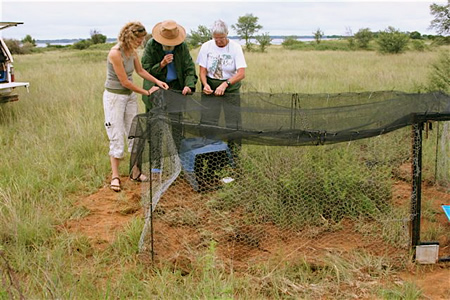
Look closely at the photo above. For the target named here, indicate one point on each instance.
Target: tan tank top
(112, 81)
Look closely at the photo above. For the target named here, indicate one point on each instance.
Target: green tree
(29, 39)
(199, 36)
(97, 37)
(19, 47)
(246, 27)
(415, 35)
(441, 21)
(392, 40)
(13, 46)
(83, 44)
(363, 38)
(264, 41)
(318, 35)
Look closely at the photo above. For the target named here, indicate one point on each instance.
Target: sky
(63, 19)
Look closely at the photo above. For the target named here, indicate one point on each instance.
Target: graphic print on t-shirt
(218, 62)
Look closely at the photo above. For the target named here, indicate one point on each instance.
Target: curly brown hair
(129, 34)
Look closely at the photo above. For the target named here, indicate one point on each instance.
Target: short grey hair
(219, 27)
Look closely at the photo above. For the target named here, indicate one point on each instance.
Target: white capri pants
(119, 113)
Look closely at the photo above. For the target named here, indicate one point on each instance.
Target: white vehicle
(7, 80)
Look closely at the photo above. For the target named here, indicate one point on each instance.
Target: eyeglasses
(140, 30)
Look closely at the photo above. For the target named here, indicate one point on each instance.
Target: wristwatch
(228, 82)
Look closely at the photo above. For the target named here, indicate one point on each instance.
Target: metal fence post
(416, 194)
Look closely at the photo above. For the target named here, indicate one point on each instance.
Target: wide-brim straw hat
(169, 33)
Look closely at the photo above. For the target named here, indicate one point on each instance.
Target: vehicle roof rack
(4, 25)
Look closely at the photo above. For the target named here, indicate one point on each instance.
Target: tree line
(390, 40)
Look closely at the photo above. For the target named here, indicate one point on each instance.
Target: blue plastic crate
(192, 149)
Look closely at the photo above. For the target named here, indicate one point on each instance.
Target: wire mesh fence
(267, 200)
(280, 200)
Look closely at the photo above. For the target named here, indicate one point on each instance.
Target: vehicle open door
(7, 78)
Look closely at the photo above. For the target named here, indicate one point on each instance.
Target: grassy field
(54, 150)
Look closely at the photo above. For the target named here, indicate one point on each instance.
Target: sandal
(115, 187)
(140, 178)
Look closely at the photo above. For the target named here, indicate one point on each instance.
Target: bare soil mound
(109, 213)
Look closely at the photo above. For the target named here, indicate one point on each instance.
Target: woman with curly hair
(120, 99)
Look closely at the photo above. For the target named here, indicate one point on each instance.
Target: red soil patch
(108, 213)
(434, 280)
(178, 240)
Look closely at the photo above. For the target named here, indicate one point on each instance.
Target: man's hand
(187, 90)
(168, 58)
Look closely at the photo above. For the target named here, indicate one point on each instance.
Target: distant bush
(83, 44)
(418, 45)
(318, 35)
(291, 41)
(27, 48)
(363, 38)
(29, 39)
(392, 41)
(16, 47)
(351, 42)
(13, 46)
(415, 35)
(264, 41)
(97, 37)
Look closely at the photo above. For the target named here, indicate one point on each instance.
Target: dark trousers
(230, 103)
(213, 106)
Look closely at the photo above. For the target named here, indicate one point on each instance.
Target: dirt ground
(109, 213)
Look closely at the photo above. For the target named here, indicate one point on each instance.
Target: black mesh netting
(291, 119)
(248, 197)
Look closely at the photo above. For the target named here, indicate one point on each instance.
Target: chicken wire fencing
(280, 176)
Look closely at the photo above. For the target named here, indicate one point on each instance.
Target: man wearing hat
(166, 57)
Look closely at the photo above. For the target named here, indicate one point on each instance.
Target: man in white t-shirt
(222, 67)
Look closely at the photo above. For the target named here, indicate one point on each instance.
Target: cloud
(75, 19)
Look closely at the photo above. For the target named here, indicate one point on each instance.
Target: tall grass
(51, 151)
(282, 70)
(54, 149)
(309, 186)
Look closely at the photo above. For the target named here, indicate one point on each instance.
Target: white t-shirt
(221, 63)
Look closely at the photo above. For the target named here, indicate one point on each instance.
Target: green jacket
(184, 65)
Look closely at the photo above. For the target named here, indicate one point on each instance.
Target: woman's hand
(162, 84)
(207, 89)
(153, 89)
(220, 90)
